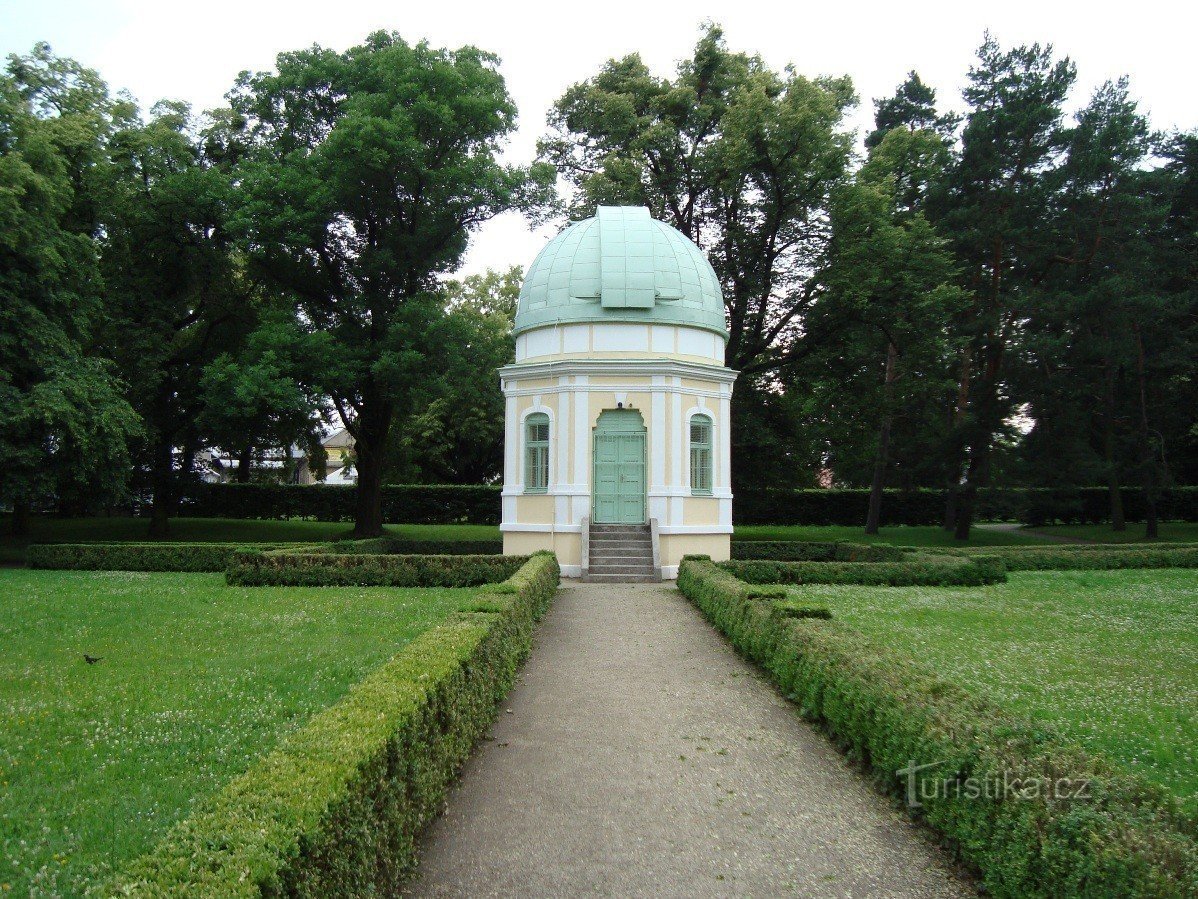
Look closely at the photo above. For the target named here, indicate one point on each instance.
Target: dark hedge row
(926, 507)
(399, 546)
(1095, 558)
(479, 504)
(402, 503)
(1127, 839)
(336, 810)
(809, 551)
(283, 568)
(142, 556)
(913, 571)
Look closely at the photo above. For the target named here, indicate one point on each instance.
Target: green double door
(619, 468)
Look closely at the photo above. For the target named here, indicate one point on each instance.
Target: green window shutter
(701, 454)
(536, 453)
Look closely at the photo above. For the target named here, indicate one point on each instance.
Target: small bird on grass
(91, 660)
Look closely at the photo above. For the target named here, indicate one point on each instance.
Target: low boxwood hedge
(337, 808)
(284, 568)
(1125, 838)
(915, 570)
(1095, 557)
(399, 546)
(814, 551)
(141, 556)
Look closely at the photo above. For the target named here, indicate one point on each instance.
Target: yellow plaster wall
(675, 546)
(699, 510)
(567, 546)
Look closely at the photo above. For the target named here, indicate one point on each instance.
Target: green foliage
(1094, 558)
(65, 427)
(886, 710)
(139, 556)
(400, 503)
(456, 435)
(409, 547)
(806, 551)
(362, 175)
(1035, 506)
(330, 812)
(931, 571)
(318, 568)
(735, 155)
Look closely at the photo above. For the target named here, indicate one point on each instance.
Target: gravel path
(640, 756)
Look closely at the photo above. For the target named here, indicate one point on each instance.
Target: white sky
(193, 51)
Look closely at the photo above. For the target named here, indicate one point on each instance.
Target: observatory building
(617, 406)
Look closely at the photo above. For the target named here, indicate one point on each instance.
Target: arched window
(701, 454)
(536, 453)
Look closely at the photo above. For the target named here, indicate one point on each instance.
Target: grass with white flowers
(196, 681)
(1110, 658)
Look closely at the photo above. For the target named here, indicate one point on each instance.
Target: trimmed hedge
(401, 547)
(336, 810)
(933, 571)
(1086, 505)
(283, 568)
(141, 556)
(1128, 839)
(1097, 557)
(480, 504)
(402, 503)
(807, 551)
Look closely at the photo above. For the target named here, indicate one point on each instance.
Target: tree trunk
(20, 518)
(243, 465)
(370, 443)
(1118, 522)
(873, 518)
(1148, 452)
(162, 483)
(953, 487)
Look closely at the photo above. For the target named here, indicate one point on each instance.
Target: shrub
(337, 808)
(402, 503)
(1038, 506)
(398, 546)
(1093, 558)
(1129, 839)
(914, 571)
(140, 556)
(814, 551)
(284, 568)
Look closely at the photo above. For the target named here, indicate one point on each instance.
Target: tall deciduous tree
(738, 157)
(176, 301)
(65, 428)
(365, 172)
(455, 436)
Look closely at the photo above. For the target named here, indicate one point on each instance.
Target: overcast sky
(193, 51)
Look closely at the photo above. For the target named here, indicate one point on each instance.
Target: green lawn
(1171, 531)
(48, 529)
(1109, 657)
(197, 680)
(902, 536)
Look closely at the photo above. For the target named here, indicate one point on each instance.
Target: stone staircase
(621, 553)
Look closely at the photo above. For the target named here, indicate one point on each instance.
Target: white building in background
(617, 406)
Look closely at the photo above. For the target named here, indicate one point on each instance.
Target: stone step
(637, 568)
(620, 562)
(652, 578)
(622, 544)
(641, 552)
(619, 529)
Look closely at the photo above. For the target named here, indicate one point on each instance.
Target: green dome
(623, 266)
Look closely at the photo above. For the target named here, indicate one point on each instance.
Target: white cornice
(668, 367)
